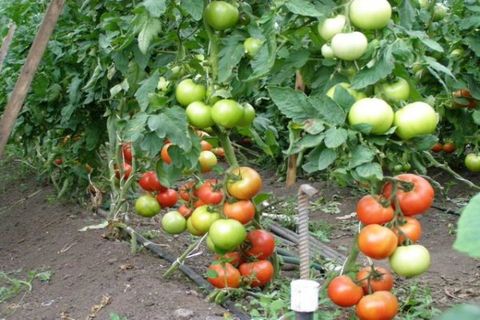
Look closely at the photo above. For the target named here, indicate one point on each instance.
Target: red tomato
(199, 203)
(374, 210)
(149, 182)
(262, 244)
(205, 145)
(437, 147)
(234, 257)
(227, 276)
(210, 192)
(258, 273)
(377, 242)
(127, 170)
(167, 198)
(164, 153)
(185, 211)
(58, 161)
(412, 229)
(414, 200)
(379, 280)
(344, 292)
(243, 183)
(185, 190)
(127, 152)
(243, 210)
(449, 147)
(381, 305)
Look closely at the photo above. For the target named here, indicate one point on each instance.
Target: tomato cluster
(389, 231)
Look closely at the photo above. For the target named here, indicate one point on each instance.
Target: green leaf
(147, 86)
(328, 110)
(470, 22)
(172, 123)
(230, 56)
(468, 241)
(476, 117)
(155, 7)
(461, 312)
(473, 43)
(335, 137)
(265, 58)
(360, 155)
(423, 37)
(327, 157)
(135, 126)
(319, 159)
(193, 8)
(150, 30)
(303, 8)
(370, 171)
(308, 141)
(424, 142)
(407, 14)
(432, 63)
(292, 103)
(379, 71)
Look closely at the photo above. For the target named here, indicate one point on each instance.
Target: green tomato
(188, 91)
(227, 234)
(174, 223)
(415, 119)
(248, 115)
(395, 91)
(147, 206)
(349, 46)
(327, 51)
(213, 247)
(472, 162)
(439, 11)
(251, 46)
(354, 93)
(457, 53)
(227, 113)
(410, 261)
(203, 217)
(372, 111)
(370, 14)
(331, 26)
(191, 229)
(221, 15)
(199, 115)
(424, 4)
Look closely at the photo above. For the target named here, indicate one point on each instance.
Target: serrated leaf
(292, 103)
(155, 7)
(370, 171)
(303, 8)
(313, 126)
(172, 123)
(194, 8)
(467, 240)
(230, 56)
(473, 43)
(470, 23)
(424, 142)
(152, 144)
(150, 30)
(432, 63)
(379, 71)
(328, 110)
(407, 14)
(135, 126)
(147, 86)
(335, 137)
(360, 155)
(343, 98)
(308, 141)
(265, 58)
(327, 157)
(423, 37)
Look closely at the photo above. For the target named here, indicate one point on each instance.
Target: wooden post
(292, 159)
(24, 81)
(6, 44)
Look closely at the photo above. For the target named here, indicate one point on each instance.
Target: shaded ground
(41, 234)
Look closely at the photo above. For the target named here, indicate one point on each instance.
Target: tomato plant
(377, 242)
(149, 182)
(349, 46)
(243, 183)
(147, 206)
(167, 198)
(410, 261)
(366, 15)
(188, 91)
(203, 217)
(210, 192)
(242, 210)
(396, 91)
(227, 113)
(331, 26)
(415, 119)
(252, 45)
(174, 222)
(257, 273)
(374, 210)
(374, 112)
(221, 15)
(207, 160)
(261, 244)
(378, 305)
(375, 279)
(411, 230)
(472, 162)
(227, 234)
(199, 115)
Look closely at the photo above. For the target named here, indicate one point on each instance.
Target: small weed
(115, 316)
(11, 285)
(321, 230)
(331, 207)
(417, 302)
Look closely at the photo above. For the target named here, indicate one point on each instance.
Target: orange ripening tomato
(205, 145)
(344, 292)
(244, 183)
(380, 280)
(127, 152)
(377, 242)
(380, 305)
(242, 210)
(437, 147)
(374, 210)
(412, 229)
(226, 276)
(164, 153)
(449, 147)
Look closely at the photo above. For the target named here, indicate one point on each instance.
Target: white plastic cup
(304, 295)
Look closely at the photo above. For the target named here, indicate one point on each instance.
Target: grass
(11, 285)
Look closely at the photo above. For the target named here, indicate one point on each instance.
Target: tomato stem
(194, 246)
(227, 147)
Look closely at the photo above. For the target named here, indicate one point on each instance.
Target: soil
(93, 277)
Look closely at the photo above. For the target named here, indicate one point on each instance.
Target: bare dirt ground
(93, 278)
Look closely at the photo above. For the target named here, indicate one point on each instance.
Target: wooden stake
(24, 81)
(292, 159)
(6, 44)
